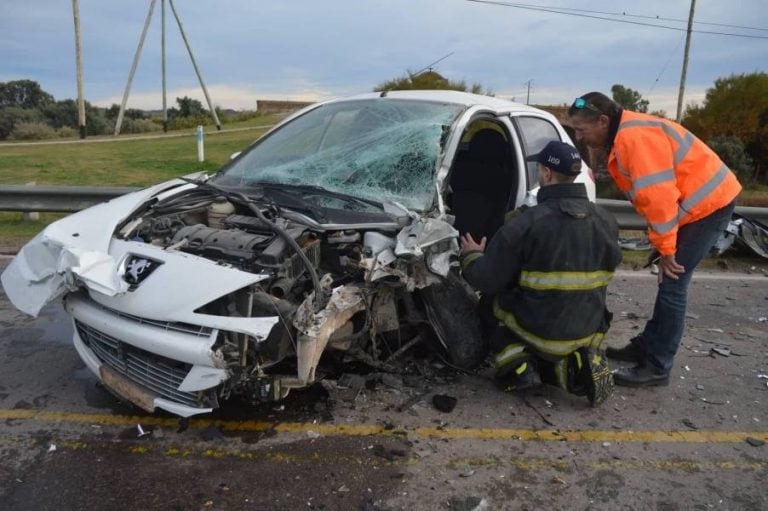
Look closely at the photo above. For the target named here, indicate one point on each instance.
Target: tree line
(732, 119)
(27, 112)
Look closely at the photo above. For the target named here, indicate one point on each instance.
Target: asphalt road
(66, 444)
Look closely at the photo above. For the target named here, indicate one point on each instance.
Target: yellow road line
(324, 455)
(554, 435)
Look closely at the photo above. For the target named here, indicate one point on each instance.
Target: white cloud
(304, 49)
(223, 96)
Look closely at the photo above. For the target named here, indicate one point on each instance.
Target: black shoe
(593, 377)
(640, 376)
(632, 352)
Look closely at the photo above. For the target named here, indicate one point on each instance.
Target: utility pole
(137, 55)
(685, 63)
(162, 51)
(528, 95)
(194, 65)
(79, 70)
(119, 121)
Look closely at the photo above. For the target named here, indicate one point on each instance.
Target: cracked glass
(380, 149)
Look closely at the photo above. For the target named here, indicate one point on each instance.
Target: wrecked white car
(335, 234)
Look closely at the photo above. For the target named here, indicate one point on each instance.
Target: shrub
(731, 150)
(10, 116)
(67, 132)
(32, 131)
(139, 126)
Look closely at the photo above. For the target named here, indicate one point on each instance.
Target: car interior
(482, 181)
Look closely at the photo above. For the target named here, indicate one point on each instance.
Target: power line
(429, 67)
(531, 7)
(660, 18)
(664, 68)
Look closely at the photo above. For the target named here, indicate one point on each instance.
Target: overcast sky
(315, 49)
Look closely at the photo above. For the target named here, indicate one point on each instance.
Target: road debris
(388, 454)
(142, 432)
(688, 423)
(755, 442)
(313, 434)
(444, 403)
(52, 448)
(467, 504)
(635, 243)
(725, 352)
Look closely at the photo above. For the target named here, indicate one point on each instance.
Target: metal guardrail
(29, 198)
(627, 218)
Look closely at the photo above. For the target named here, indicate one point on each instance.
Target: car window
(535, 133)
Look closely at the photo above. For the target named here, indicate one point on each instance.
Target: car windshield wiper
(323, 191)
(291, 199)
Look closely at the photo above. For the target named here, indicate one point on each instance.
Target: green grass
(125, 162)
(112, 163)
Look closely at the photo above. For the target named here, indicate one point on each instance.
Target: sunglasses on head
(583, 104)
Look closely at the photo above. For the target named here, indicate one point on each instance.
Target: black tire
(452, 310)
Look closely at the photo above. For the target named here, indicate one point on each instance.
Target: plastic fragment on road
(444, 403)
(754, 442)
(52, 448)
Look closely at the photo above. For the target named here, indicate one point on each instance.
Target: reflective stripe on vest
(691, 202)
(705, 189)
(510, 353)
(653, 179)
(684, 142)
(469, 259)
(564, 280)
(554, 347)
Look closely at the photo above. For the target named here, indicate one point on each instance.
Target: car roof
(446, 96)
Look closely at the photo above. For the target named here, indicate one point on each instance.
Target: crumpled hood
(75, 246)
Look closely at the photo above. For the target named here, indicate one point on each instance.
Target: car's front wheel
(452, 310)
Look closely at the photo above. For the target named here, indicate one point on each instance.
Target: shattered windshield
(381, 149)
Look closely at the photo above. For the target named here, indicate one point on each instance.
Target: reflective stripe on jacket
(671, 177)
(548, 269)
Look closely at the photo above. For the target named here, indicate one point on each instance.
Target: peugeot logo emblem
(137, 269)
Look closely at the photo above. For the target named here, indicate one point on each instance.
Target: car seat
(481, 181)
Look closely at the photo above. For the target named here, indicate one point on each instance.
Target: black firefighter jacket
(549, 268)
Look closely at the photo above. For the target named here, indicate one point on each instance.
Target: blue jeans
(661, 337)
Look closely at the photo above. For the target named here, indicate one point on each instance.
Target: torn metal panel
(317, 328)
(430, 238)
(45, 269)
(745, 233)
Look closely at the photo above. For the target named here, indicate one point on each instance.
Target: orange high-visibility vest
(671, 177)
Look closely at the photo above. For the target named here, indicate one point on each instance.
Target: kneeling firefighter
(547, 270)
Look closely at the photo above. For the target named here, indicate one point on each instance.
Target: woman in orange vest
(685, 193)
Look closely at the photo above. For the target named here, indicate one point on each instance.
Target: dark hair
(594, 105)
